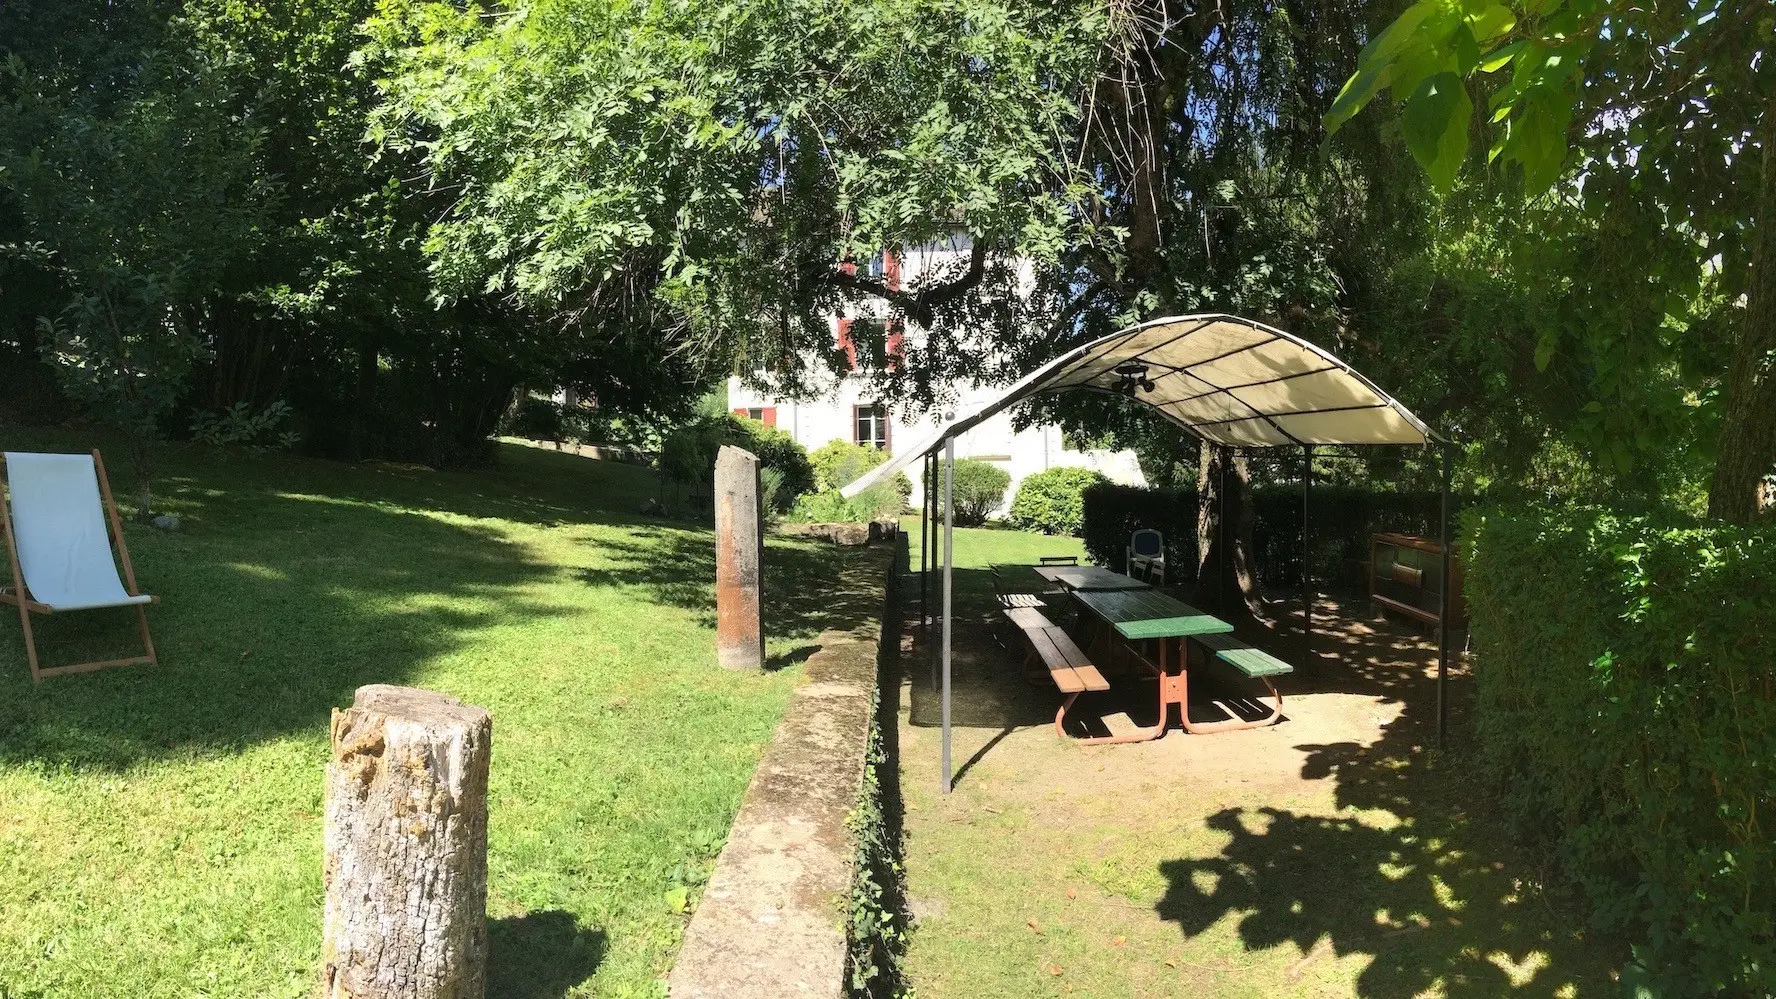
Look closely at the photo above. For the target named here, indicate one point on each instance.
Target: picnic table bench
(1149, 615)
(1066, 665)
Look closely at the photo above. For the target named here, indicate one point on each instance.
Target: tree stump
(405, 870)
(739, 554)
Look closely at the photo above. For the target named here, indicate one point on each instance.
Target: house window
(871, 426)
(756, 413)
(874, 267)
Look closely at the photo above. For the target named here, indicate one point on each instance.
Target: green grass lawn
(160, 828)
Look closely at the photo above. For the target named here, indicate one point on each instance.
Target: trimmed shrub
(838, 463)
(1052, 501)
(980, 488)
(1626, 706)
(687, 455)
(534, 419)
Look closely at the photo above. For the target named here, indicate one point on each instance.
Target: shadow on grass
(809, 586)
(540, 955)
(270, 617)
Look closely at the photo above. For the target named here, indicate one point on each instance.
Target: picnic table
(1149, 615)
(1088, 578)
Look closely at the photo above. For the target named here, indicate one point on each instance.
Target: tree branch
(921, 306)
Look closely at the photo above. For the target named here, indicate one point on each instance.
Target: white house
(840, 408)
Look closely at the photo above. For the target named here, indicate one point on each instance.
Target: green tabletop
(1088, 577)
(1141, 614)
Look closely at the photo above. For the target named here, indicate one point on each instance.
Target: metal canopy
(1223, 379)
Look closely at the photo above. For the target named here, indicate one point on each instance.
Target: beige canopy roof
(1224, 379)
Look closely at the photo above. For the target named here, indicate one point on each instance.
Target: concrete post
(739, 561)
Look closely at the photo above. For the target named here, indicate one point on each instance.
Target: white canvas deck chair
(55, 515)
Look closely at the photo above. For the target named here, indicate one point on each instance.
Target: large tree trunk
(1747, 447)
(405, 866)
(1226, 569)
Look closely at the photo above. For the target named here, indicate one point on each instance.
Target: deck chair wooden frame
(19, 595)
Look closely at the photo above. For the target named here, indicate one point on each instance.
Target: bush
(1626, 706)
(980, 488)
(687, 455)
(829, 506)
(838, 463)
(534, 419)
(1051, 501)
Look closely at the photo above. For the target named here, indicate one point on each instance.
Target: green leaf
(1467, 51)
(1545, 345)
(678, 899)
(1436, 125)
(1538, 140)
(1417, 64)
(1492, 22)
(1500, 58)
(1363, 85)
(1383, 47)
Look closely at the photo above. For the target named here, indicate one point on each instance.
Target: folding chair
(55, 516)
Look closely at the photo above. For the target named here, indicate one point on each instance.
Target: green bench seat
(1255, 663)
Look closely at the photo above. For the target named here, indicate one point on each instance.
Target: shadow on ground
(540, 955)
(1407, 869)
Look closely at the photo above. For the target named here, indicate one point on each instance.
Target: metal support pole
(949, 507)
(1223, 568)
(924, 546)
(931, 557)
(1443, 610)
(1307, 593)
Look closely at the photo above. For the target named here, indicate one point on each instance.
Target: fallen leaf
(1119, 942)
(1072, 893)
(1054, 969)
(1031, 923)
(1171, 963)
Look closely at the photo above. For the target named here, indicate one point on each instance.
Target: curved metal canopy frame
(1221, 378)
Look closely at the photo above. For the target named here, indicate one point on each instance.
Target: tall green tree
(1668, 109)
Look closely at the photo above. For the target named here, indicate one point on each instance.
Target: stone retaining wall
(772, 921)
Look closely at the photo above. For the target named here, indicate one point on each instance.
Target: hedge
(1343, 519)
(1626, 706)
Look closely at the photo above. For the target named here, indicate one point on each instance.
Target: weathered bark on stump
(739, 556)
(405, 871)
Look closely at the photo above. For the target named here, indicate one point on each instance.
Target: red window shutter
(846, 345)
(891, 269)
(740, 411)
(896, 333)
(770, 415)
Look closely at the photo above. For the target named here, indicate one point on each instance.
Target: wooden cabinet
(1406, 575)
